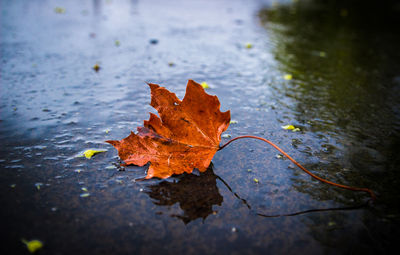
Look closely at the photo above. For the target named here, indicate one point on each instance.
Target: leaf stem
(371, 193)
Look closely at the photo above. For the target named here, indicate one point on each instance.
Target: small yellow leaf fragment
(84, 195)
(296, 129)
(32, 245)
(78, 170)
(288, 127)
(233, 122)
(248, 45)
(84, 189)
(38, 185)
(255, 180)
(205, 85)
(60, 10)
(96, 67)
(288, 77)
(89, 153)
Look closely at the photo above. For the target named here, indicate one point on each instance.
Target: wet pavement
(330, 68)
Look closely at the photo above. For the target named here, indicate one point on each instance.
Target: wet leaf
(249, 45)
(38, 185)
(89, 153)
(84, 195)
(288, 127)
(32, 245)
(96, 67)
(184, 137)
(291, 127)
(59, 10)
(288, 77)
(205, 85)
(256, 180)
(233, 122)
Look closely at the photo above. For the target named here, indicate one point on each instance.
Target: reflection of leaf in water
(196, 194)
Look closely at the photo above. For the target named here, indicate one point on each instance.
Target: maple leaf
(186, 135)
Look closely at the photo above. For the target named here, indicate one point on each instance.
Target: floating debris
(205, 85)
(233, 122)
(32, 245)
(89, 153)
(84, 189)
(78, 170)
(291, 127)
(226, 136)
(84, 195)
(248, 45)
(13, 185)
(255, 180)
(38, 185)
(117, 43)
(59, 10)
(153, 41)
(96, 67)
(288, 77)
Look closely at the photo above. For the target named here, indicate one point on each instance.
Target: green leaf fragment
(89, 153)
(32, 245)
(84, 195)
(84, 189)
(233, 122)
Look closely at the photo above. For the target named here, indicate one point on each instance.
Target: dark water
(343, 61)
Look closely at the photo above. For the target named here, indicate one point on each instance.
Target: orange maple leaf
(185, 136)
